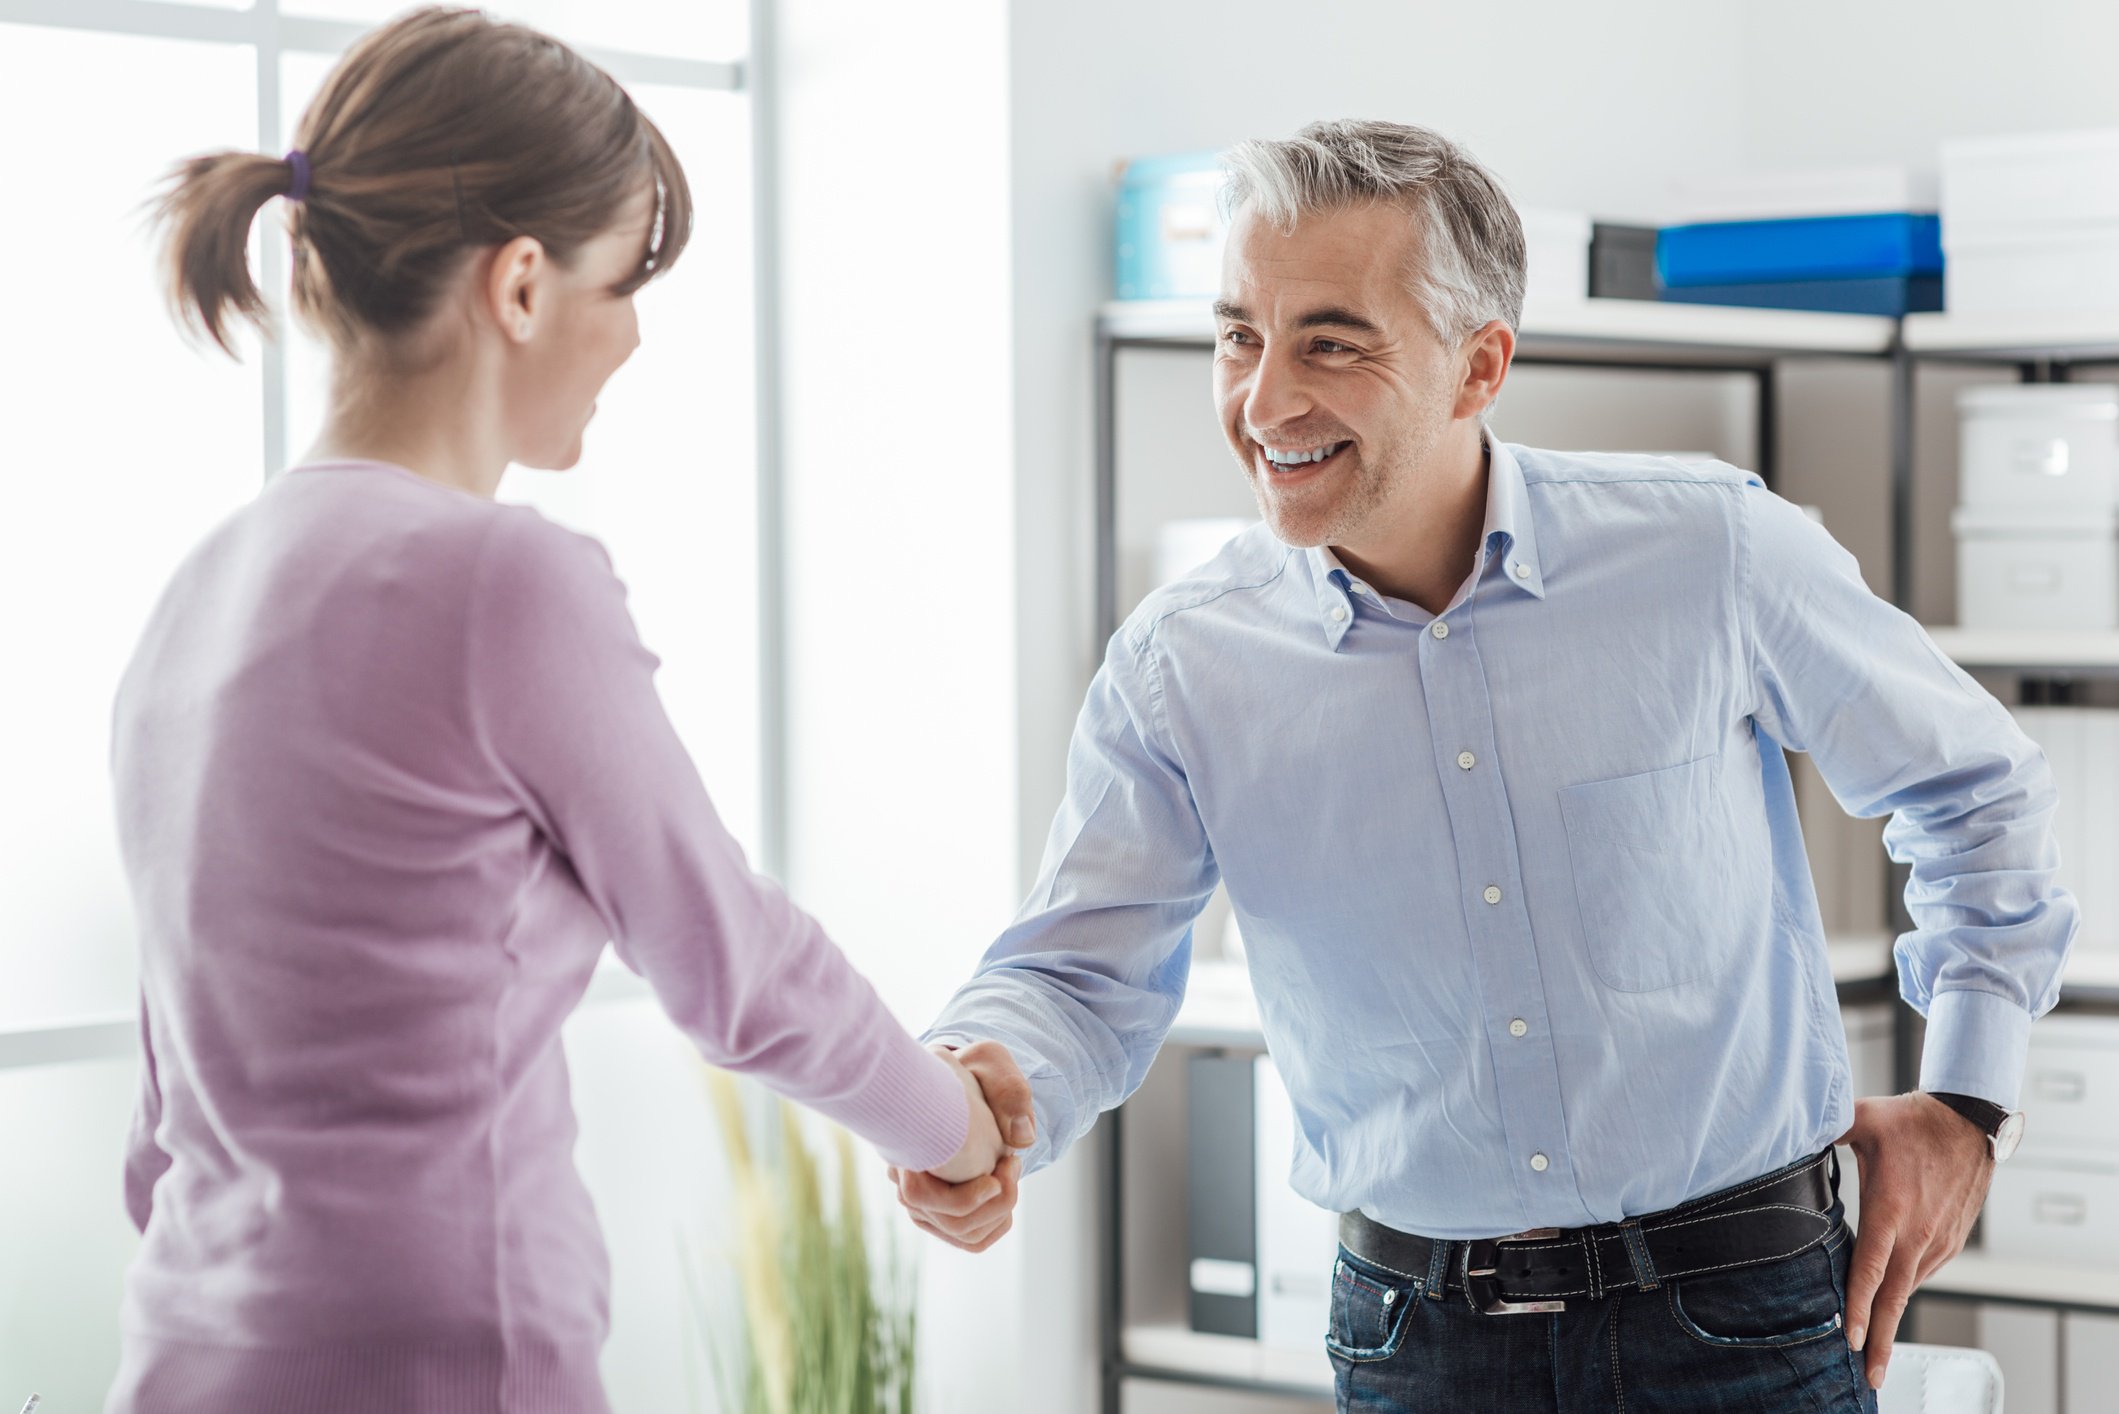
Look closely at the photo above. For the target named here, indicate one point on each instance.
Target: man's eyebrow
(1337, 318)
(1332, 317)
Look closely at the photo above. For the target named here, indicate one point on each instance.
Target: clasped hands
(969, 1202)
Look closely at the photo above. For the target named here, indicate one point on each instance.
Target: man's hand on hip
(976, 1214)
(1924, 1174)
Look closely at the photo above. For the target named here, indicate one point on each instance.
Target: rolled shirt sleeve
(1898, 729)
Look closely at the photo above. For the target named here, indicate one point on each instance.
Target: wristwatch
(2003, 1128)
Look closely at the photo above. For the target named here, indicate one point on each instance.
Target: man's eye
(1235, 336)
(1331, 346)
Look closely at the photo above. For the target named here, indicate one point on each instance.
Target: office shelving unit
(1622, 334)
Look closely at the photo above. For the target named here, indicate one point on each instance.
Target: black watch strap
(1984, 1113)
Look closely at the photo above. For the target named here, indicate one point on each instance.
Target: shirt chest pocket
(1653, 860)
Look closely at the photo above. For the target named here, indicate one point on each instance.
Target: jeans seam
(1797, 1375)
(1618, 1388)
(1854, 1367)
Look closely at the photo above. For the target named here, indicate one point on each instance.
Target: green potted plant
(822, 1330)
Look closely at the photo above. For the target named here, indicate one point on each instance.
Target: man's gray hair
(1470, 267)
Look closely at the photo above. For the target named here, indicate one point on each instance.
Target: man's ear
(1488, 355)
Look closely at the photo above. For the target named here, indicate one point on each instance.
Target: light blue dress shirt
(1521, 886)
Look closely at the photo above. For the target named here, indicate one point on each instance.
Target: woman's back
(357, 946)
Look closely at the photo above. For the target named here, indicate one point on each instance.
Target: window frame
(271, 35)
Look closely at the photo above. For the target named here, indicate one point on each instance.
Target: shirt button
(1359, 588)
(1522, 570)
(1493, 893)
(1467, 760)
(1539, 1162)
(1517, 1027)
(1339, 613)
(1441, 629)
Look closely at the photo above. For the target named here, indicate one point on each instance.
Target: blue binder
(1808, 248)
(1885, 294)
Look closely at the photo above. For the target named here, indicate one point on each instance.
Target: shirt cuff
(1977, 1044)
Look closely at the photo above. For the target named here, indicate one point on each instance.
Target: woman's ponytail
(205, 217)
(442, 133)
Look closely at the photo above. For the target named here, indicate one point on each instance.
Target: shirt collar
(1510, 537)
(1508, 518)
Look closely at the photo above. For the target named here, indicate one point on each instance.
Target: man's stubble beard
(1374, 485)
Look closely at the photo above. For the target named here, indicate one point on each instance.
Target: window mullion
(273, 251)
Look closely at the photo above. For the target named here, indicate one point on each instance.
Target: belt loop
(1833, 1154)
(1589, 1260)
(1637, 1248)
(1438, 1268)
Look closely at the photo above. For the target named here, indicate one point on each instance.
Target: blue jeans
(1768, 1339)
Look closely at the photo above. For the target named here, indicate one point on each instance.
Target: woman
(391, 769)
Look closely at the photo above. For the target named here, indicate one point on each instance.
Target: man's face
(1323, 349)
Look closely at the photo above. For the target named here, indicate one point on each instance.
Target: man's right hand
(975, 1214)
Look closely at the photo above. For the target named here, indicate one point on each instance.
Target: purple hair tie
(300, 162)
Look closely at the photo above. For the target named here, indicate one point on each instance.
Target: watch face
(2008, 1136)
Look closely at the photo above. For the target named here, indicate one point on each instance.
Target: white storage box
(2052, 446)
(1297, 1240)
(1813, 191)
(2037, 572)
(2030, 270)
(1557, 250)
(2026, 1344)
(2041, 1210)
(2090, 1361)
(2040, 179)
(2071, 1088)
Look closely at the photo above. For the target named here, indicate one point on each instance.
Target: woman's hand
(983, 1147)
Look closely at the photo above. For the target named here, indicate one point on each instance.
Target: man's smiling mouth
(1293, 461)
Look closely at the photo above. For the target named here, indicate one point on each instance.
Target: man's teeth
(1280, 458)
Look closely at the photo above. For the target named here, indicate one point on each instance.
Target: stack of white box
(2030, 224)
(2056, 1203)
(2038, 516)
(2081, 744)
(1556, 249)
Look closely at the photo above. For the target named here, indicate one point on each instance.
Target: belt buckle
(1483, 1288)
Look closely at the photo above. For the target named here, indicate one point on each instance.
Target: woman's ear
(514, 287)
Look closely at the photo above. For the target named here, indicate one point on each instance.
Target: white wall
(1886, 80)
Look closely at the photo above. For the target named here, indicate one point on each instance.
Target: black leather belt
(1778, 1215)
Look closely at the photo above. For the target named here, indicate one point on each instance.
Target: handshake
(969, 1202)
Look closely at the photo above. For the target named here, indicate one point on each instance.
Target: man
(1486, 744)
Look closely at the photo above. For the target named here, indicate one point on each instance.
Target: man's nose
(1278, 393)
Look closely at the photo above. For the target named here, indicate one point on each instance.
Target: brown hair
(438, 134)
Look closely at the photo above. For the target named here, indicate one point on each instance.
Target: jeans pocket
(1789, 1302)
(1648, 853)
(1368, 1311)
